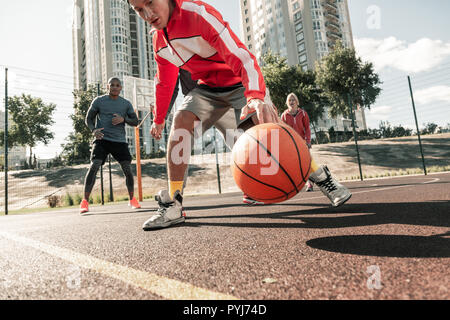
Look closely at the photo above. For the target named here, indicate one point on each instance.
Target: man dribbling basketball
(231, 93)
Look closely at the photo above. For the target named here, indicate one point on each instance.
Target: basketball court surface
(391, 240)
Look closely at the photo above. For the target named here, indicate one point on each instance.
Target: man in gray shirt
(106, 119)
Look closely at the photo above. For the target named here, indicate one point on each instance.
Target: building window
(300, 36)
(301, 47)
(302, 58)
(297, 16)
(298, 26)
(316, 25)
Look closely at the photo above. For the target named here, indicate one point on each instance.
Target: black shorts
(119, 150)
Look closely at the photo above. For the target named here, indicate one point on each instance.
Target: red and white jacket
(198, 40)
(300, 123)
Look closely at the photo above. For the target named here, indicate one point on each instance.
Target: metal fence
(44, 182)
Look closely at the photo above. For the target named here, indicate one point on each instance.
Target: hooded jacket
(198, 40)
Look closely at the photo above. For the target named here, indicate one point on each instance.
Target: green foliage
(31, 119)
(341, 73)
(430, 128)
(77, 148)
(68, 200)
(282, 79)
(97, 199)
(77, 199)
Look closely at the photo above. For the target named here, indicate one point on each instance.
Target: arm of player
(91, 115)
(130, 117)
(306, 125)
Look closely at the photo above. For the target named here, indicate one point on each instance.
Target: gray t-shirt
(101, 113)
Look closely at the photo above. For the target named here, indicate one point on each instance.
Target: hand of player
(264, 112)
(98, 134)
(117, 119)
(156, 130)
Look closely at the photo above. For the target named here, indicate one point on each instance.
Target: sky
(399, 37)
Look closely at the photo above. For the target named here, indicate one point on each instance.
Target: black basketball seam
(298, 154)
(270, 154)
(286, 194)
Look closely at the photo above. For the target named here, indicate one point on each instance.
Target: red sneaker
(84, 206)
(133, 203)
(246, 199)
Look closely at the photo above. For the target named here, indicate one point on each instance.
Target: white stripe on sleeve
(241, 54)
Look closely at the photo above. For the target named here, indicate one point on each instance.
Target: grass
(69, 201)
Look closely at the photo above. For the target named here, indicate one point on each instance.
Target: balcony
(331, 4)
(331, 25)
(334, 35)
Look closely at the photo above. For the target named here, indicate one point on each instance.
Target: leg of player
(129, 180)
(336, 192)
(89, 182)
(170, 201)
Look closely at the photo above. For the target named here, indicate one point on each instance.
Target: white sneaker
(170, 211)
(336, 192)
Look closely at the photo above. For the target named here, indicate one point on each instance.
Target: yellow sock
(314, 166)
(174, 186)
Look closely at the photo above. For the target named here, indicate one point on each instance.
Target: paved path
(390, 241)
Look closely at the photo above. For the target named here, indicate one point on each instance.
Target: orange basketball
(270, 162)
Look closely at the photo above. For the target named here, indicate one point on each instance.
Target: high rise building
(109, 40)
(302, 31)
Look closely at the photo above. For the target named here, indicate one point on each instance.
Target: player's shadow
(433, 213)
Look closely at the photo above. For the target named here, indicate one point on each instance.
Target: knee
(184, 120)
(96, 164)
(126, 166)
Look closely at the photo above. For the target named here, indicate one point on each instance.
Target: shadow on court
(434, 213)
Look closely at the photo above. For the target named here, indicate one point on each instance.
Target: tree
(341, 73)
(31, 119)
(430, 128)
(282, 79)
(77, 148)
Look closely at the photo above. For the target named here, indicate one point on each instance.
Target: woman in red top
(298, 119)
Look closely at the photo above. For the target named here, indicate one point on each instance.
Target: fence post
(355, 135)
(111, 197)
(6, 141)
(217, 161)
(417, 126)
(101, 167)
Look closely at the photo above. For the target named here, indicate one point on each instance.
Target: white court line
(434, 180)
(158, 285)
(366, 191)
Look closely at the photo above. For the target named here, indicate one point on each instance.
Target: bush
(53, 201)
(77, 199)
(68, 200)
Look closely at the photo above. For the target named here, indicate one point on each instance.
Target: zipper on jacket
(166, 35)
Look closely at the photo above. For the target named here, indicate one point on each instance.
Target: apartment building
(110, 40)
(302, 31)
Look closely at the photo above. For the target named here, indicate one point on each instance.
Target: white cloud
(422, 55)
(379, 113)
(433, 94)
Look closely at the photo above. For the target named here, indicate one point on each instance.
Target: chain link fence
(389, 146)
